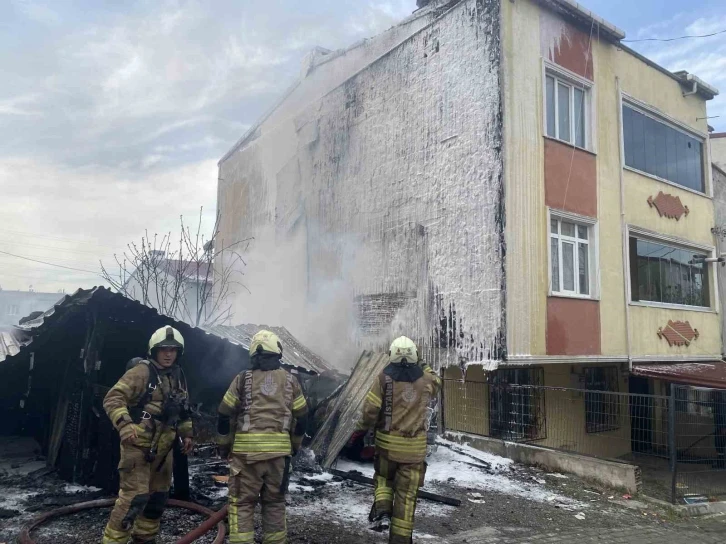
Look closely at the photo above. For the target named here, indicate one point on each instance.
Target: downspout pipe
(624, 231)
(720, 284)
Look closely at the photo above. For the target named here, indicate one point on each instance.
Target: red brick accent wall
(573, 326)
(581, 194)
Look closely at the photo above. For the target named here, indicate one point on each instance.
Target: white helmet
(166, 337)
(403, 350)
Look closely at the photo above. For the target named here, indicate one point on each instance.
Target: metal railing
(699, 422)
(681, 451)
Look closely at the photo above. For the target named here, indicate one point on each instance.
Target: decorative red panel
(668, 206)
(678, 333)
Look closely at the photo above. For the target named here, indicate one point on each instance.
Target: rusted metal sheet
(9, 344)
(346, 408)
(698, 374)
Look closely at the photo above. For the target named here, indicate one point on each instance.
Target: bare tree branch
(195, 283)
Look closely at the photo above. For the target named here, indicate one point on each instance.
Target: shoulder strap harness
(152, 383)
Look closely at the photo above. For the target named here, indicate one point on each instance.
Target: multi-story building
(15, 305)
(719, 202)
(178, 288)
(718, 150)
(511, 185)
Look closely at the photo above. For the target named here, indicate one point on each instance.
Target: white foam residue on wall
(391, 188)
(553, 29)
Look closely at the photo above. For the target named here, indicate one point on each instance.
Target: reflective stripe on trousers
(252, 482)
(142, 494)
(396, 494)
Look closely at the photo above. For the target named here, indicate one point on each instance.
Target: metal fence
(699, 423)
(681, 451)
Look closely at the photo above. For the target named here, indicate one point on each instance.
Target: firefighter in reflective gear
(261, 422)
(149, 408)
(396, 406)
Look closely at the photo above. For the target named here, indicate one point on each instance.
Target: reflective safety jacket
(263, 415)
(122, 400)
(397, 406)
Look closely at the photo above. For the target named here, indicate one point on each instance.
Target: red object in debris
(357, 435)
(627, 497)
(368, 453)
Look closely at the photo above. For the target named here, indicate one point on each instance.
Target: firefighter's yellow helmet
(166, 337)
(403, 350)
(265, 342)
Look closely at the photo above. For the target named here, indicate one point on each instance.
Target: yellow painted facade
(564, 423)
(615, 70)
(649, 320)
(623, 207)
(466, 402)
(651, 87)
(526, 232)
(566, 416)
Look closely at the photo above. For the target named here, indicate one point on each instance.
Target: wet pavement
(502, 503)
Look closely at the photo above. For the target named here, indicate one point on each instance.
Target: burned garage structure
(56, 369)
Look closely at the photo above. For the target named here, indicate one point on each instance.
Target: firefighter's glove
(128, 434)
(357, 435)
(187, 446)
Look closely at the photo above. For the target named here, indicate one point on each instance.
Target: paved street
(710, 531)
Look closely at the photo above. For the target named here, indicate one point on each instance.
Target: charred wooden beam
(357, 477)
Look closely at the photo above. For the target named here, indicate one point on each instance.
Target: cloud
(654, 29)
(37, 12)
(16, 105)
(142, 76)
(378, 16)
(97, 211)
(704, 57)
(113, 115)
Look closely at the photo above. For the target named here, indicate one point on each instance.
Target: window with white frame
(572, 245)
(662, 273)
(566, 105)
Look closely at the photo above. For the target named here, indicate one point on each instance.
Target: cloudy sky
(114, 114)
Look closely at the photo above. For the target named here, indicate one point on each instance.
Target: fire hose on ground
(215, 518)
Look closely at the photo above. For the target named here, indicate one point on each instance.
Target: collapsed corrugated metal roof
(20, 337)
(293, 352)
(55, 370)
(346, 408)
(697, 374)
(9, 344)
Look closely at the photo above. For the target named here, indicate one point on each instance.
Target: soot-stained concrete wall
(392, 184)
